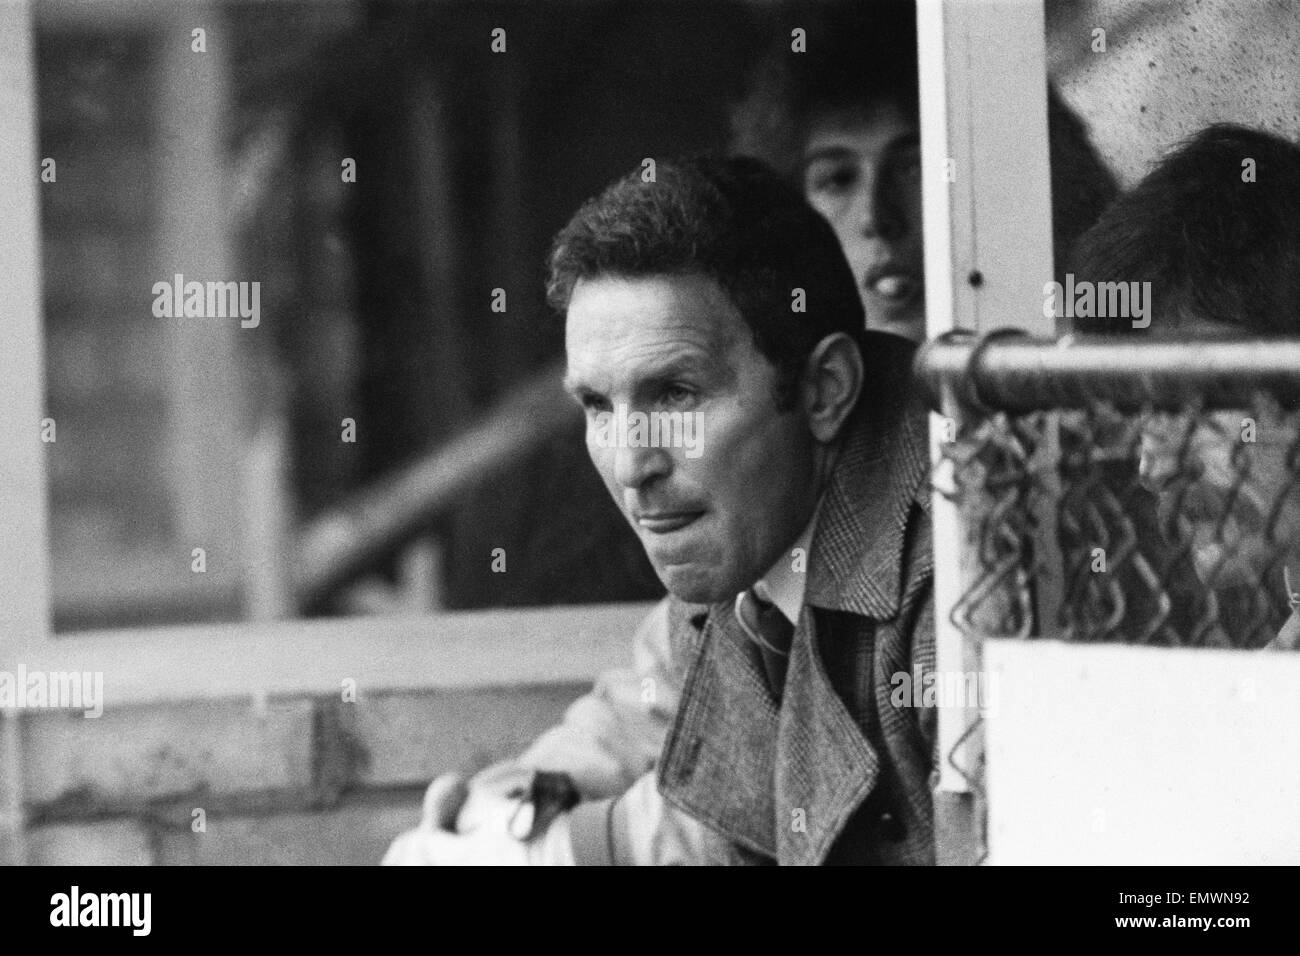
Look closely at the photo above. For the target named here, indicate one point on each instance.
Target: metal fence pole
(988, 252)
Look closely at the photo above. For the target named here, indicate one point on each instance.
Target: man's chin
(907, 322)
(694, 586)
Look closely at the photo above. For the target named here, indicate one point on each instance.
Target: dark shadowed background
(376, 295)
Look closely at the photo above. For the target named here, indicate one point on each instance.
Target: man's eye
(830, 177)
(592, 404)
(677, 395)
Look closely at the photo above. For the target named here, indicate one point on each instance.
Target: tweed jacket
(833, 772)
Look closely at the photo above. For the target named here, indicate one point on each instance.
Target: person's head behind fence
(860, 61)
(1215, 229)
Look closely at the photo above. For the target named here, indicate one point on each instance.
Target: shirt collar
(783, 585)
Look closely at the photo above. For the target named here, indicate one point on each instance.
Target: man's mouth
(893, 284)
(665, 522)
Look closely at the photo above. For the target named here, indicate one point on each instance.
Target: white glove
(484, 837)
(496, 799)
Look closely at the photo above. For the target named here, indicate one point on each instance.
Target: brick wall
(299, 780)
(257, 726)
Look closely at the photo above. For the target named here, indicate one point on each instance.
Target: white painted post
(206, 435)
(988, 252)
(268, 519)
(24, 552)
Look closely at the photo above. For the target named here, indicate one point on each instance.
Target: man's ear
(832, 382)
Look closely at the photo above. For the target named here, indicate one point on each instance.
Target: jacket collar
(736, 760)
(856, 561)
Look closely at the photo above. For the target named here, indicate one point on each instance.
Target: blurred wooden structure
(252, 721)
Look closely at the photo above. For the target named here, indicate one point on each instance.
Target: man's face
(1227, 510)
(713, 521)
(862, 172)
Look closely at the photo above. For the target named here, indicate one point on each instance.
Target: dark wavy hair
(735, 221)
(859, 56)
(862, 56)
(1212, 245)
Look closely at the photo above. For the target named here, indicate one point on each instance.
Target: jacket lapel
(719, 760)
(856, 563)
(826, 768)
(736, 762)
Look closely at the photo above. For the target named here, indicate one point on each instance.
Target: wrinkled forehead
(619, 331)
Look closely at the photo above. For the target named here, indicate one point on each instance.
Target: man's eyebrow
(708, 366)
(829, 152)
(656, 374)
(840, 151)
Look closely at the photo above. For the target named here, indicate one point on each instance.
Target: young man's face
(715, 520)
(862, 172)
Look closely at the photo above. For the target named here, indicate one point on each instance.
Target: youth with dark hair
(842, 120)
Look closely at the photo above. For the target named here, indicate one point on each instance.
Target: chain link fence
(1142, 492)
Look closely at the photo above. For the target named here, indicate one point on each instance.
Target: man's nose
(635, 466)
(874, 213)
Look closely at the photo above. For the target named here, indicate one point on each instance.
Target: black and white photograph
(650, 432)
